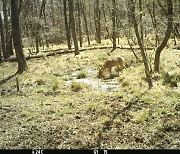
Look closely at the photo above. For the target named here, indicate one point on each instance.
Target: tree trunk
(97, 21)
(166, 37)
(79, 23)
(68, 35)
(114, 24)
(105, 20)
(140, 21)
(154, 22)
(43, 11)
(155, 25)
(42, 8)
(1, 60)
(16, 33)
(145, 61)
(52, 12)
(85, 22)
(37, 42)
(11, 44)
(2, 38)
(6, 26)
(72, 25)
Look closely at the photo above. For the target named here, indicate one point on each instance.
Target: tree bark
(68, 35)
(42, 8)
(97, 21)
(140, 20)
(37, 41)
(145, 61)
(105, 20)
(17, 40)
(114, 24)
(10, 44)
(72, 25)
(86, 24)
(2, 38)
(79, 23)
(6, 27)
(1, 60)
(167, 35)
(154, 22)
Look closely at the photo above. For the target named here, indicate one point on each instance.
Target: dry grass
(47, 113)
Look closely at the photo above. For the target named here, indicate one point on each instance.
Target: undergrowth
(54, 111)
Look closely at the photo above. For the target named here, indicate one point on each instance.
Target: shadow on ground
(7, 79)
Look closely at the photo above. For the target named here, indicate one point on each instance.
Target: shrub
(76, 86)
(55, 85)
(171, 79)
(82, 74)
(141, 116)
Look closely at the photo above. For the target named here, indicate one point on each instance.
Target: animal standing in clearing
(108, 64)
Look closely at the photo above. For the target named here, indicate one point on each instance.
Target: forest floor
(62, 104)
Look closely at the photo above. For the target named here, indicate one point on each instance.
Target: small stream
(108, 85)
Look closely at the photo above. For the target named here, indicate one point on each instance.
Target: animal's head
(121, 62)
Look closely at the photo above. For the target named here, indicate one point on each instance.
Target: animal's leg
(118, 68)
(110, 70)
(110, 73)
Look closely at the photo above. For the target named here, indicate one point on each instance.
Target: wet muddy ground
(105, 85)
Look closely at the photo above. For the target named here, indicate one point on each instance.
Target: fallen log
(60, 52)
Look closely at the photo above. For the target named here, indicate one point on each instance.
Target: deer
(109, 64)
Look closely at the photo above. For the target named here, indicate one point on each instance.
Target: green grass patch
(82, 74)
(55, 84)
(76, 86)
(141, 116)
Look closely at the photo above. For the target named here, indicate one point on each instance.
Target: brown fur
(108, 64)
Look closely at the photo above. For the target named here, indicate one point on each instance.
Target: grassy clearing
(49, 113)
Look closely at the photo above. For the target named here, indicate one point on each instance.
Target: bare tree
(153, 19)
(17, 39)
(68, 34)
(85, 22)
(140, 20)
(2, 38)
(169, 14)
(72, 25)
(1, 60)
(79, 23)
(6, 27)
(114, 24)
(145, 60)
(97, 21)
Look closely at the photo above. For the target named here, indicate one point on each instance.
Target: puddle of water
(90, 73)
(110, 85)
